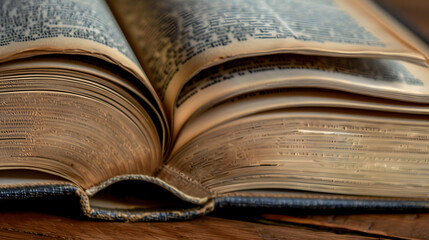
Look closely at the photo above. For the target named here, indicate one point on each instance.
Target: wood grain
(401, 226)
(33, 225)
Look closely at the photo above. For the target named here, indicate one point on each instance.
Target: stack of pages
(168, 109)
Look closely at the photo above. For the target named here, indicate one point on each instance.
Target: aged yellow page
(282, 99)
(175, 39)
(74, 119)
(314, 149)
(31, 28)
(381, 78)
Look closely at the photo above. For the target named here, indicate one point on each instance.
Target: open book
(168, 109)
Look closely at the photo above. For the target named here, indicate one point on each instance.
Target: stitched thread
(187, 179)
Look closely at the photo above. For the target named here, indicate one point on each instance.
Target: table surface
(36, 225)
(31, 224)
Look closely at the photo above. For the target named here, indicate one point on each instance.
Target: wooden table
(30, 224)
(33, 225)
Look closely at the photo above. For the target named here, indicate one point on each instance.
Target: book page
(76, 26)
(27, 177)
(81, 27)
(317, 150)
(72, 118)
(381, 78)
(174, 39)
(282, 99)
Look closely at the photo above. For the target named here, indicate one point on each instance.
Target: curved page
(74, 120)
(174, 39)
(342, 152)
(269, 100)
(380, 78)
(31, 28)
